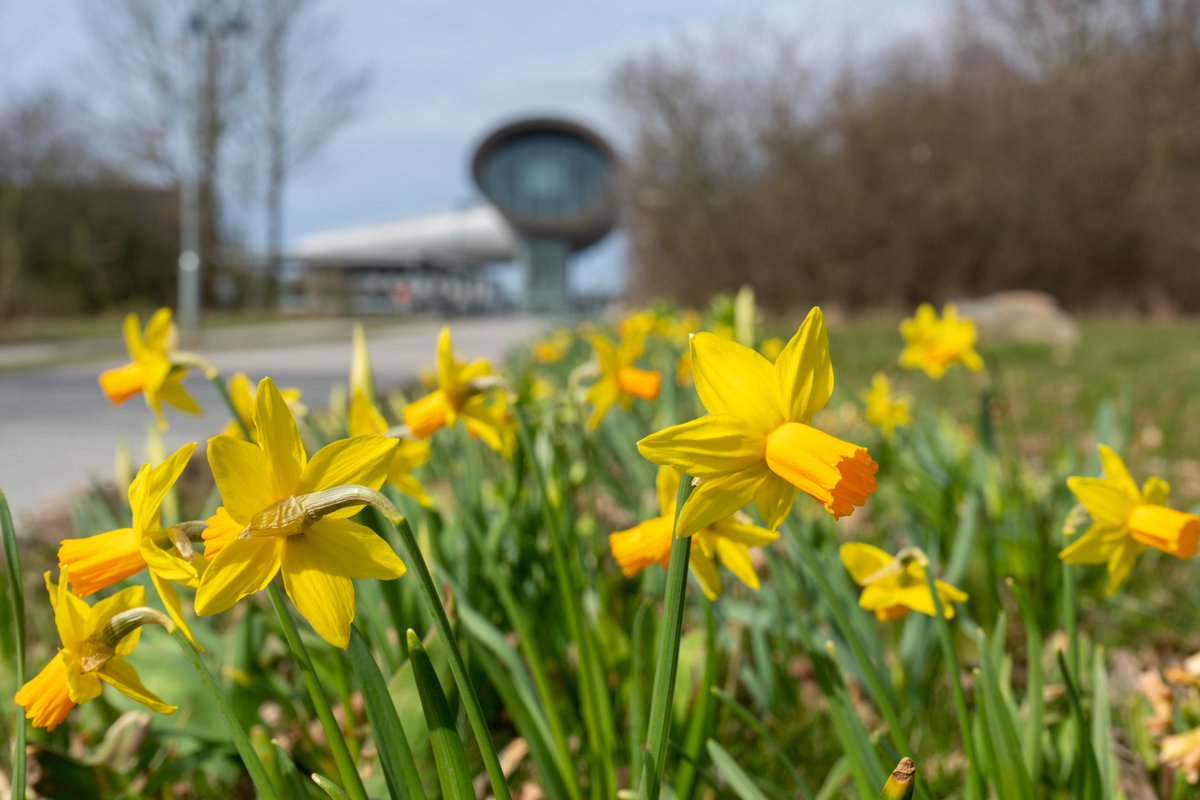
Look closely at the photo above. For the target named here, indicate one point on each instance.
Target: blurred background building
(865, 156)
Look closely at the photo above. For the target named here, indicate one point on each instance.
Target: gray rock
(1020, 316)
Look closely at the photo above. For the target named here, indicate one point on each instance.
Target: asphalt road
(58, 432)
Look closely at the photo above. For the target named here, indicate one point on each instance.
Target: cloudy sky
(447, 72)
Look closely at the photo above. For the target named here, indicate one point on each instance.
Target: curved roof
(475, 234)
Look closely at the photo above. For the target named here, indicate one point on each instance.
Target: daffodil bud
(902, 782)
(101, 648)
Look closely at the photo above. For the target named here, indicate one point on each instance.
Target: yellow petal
(346, 548)
(46, 697)
(424, 416)
(919, 599)
(1115, 471)
(743, 533)
(160, 334)
(174, 608)
(325, 600)
(278, 438)
(706, 447)
(774, 500)
(83, 687)
(1121, 562)
(133, 336)
(120, 675)
(446, 367)
(364, 419)
(242, 473)
(1173, 532)
(1105, 501)
(863, 560)
(705, 571)
(172, 392)
(737, 381)
(736, 558)
(157, 483)
(360, 461)
(70, 613)
(1095, 546)
(243, 567)
(220, 530)
(408, 485)
(121, 383)
(603, 396)
(839, 475)
(804, 370)
(97, 562)
(644, 544)
(666, 490)
(717, 498)
(1155, 491)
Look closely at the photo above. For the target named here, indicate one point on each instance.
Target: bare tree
(307, 95)
(180, 70)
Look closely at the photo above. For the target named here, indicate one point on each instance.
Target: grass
(790, 690)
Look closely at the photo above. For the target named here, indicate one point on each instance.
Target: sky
(446, 73)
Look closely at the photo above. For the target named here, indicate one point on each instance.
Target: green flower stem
(258, 774)
(960, 697)
(416, 562)
(218, 382)
(351, 781)
(16, 599)
(883, 700)
(667, 662)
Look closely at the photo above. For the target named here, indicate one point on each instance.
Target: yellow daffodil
(893, 586)
(883, 409)
(95, 641)
(241, 396)
(268, 523)
(462, 393)
(619, 380)
(728, 541)
(933, 344)
(1125, 520)
(155, 371)
(97, 562)
(551, 349)
(756, 444)
(365, 420)
(1181, 751)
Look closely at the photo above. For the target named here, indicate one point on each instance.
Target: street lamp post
(202, 24)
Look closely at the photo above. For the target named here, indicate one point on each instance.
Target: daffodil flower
(552, 349)
(756, 443)
(461, 394)
(893, 586)
(97, 562)
(933, 344)
(883, 409)
(1125, 520)
(365, 420)
(1181, 751)
(272, 522)
(95, 640)
(155, 370)
(728, 541)
(241, 397)
(619, 380)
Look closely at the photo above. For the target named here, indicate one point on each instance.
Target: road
(58, 433)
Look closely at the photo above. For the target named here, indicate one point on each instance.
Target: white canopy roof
(479, 234)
